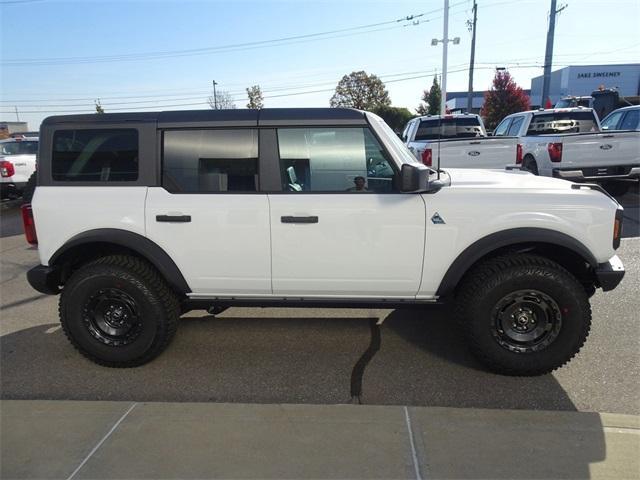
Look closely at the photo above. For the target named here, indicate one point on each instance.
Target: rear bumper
(610, 273)
(44, 279)
(594, 173)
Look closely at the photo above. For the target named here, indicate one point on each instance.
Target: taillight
(7, 169)
(555, 152)
(518, 154)
(29, 224)
(427, 157)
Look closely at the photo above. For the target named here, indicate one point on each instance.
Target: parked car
(139, 217)
(569, 144)
(627, 118)
(17, 164)
(458, 140)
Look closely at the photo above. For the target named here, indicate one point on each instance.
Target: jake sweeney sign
(598, 74)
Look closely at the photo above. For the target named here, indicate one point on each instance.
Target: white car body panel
(62, 213)
(225, 249)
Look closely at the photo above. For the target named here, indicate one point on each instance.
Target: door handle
(289, 219)
(173, 218)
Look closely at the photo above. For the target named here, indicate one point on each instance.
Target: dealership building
(584, 79)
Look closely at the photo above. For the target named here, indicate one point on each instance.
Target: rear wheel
(29, 189)
(523, 314)
(616, 188)
(530, 165)
(118, 311)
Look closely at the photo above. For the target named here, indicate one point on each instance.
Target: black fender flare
(133, 241)
(506, 238)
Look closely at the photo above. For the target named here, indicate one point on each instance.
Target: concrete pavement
(82, 440)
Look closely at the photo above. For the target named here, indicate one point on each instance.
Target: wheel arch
(104, 241)
(557, 246)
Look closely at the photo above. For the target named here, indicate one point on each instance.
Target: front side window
(210, 161)
(501, 130)
(562, 122)
(336, 159)
(95, 155)
(611, 122)
(19, 147)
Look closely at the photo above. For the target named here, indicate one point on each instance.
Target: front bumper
(609, 274)
(596, 173)
(44, 279)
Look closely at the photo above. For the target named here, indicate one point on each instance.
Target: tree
(431, 99)
(255, 97)
(223, 101)
(99, 108)
(360, 90)
(395, 117)
(504, 98)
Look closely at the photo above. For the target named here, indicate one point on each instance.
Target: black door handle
(288, 219)
(173, 218)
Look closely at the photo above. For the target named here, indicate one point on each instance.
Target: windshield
(562, 122)
(462, 127)
(19, 148)
(399, 149)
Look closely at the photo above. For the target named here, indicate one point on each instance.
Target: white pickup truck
(17, 164)
(569, 143)
(459, 140)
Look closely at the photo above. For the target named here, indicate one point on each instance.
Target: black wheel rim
(112, 317)
(526, 321)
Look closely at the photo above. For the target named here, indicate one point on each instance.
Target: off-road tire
(616, 188)
(482, 290)
(530, 165)
(29, 189)
(157, 307)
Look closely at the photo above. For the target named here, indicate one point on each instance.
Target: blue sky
(510, 33)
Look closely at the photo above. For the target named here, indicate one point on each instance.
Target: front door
(339, 228)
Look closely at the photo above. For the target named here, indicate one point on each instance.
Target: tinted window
(562, 122)
(460, 127)
(105, 155)
(205, 161)
(501, 129)
(515, 126)
(630, 121)
(333, 160)
(19, 148)
(611, 122)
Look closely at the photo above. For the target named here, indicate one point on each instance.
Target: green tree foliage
(360, 90)
(395, 117)
(504, 98)
(99, 108)
(431, 99)
(223, 101)
(255, 97)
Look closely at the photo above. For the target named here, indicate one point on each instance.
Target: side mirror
(489, 134)
(414, 177)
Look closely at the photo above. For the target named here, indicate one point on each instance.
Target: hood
(468, 177)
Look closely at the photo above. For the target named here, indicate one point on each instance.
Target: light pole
(215, 100)
(445, 41)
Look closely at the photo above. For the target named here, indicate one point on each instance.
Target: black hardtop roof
(236, 115)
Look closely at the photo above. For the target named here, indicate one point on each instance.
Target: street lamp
(445, 41)
(215, 100)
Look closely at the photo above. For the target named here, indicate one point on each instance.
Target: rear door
(339, 228)
(209, 214)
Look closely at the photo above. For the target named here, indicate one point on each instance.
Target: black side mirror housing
(414, 177)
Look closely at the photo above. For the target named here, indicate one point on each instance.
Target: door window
(515, 127)
(210, 161)
(336, 159)
(631, 120)
(501, 130)
(611, 122)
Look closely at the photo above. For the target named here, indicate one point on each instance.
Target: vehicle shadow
(631, 203)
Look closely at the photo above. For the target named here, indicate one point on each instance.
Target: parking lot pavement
(315, 356)
(71, 439)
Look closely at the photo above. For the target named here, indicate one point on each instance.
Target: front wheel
(523, 314)
(118, 311)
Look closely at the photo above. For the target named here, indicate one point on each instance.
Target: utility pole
(17, 116)
(445, 42)
(548, 55)
(215, 99)
(473, 56)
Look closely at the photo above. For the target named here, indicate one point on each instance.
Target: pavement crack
(357, 373)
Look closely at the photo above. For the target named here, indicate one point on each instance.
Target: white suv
(142, 216)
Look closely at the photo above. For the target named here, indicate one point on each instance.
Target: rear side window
(209, 161)
(515, 127)
(631, 120)
(562, 122)
(462, 127)
(19, 148)
(100, 155)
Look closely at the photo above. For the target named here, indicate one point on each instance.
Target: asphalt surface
(317, 356)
